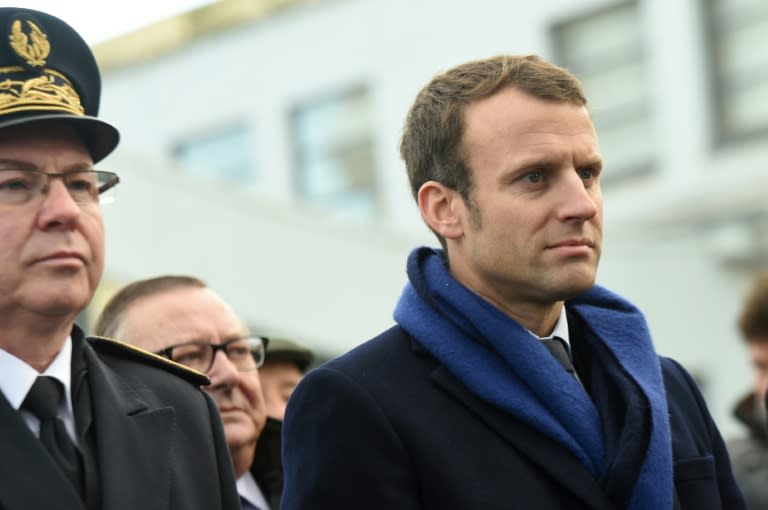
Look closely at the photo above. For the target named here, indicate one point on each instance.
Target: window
(605, 50)
(335, 167)
(223, 154)
(739, 66)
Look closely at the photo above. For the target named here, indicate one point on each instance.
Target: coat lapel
(133, 439)
(554, 459)
(29, 477)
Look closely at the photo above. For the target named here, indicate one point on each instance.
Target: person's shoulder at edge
(125, 351)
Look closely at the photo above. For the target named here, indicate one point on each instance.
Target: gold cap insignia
(48, 73)
(34, 86)
(33, 48)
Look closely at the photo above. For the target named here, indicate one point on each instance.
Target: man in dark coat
(749, 453)
(510, 380)
(284, 366)
(87, 423)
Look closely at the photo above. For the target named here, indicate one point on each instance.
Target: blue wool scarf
(503, 364)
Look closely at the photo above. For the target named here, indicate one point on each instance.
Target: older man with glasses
(87, 423)
(181, 319)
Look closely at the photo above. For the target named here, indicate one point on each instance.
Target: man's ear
(442, 209)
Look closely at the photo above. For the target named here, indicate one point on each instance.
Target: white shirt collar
(560, 330)
(250, 490)
(17, 377)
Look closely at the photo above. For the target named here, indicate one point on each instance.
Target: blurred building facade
(260, 152)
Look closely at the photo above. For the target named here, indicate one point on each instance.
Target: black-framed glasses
(246, 353)
(86, 187)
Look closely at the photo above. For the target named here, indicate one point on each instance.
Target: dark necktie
(559, 350)
(43, 401)
(247, 505)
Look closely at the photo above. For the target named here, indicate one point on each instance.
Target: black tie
(43, 401)
(559, 350)
(247, 505)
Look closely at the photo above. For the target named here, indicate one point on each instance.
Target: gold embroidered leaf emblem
(35, 48)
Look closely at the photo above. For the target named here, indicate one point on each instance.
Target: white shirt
(250, 491)
(561, 329)
(17, 378)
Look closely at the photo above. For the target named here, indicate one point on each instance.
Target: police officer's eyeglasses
(86, 187)
(244, 353)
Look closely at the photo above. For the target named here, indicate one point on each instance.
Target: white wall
(288, 270)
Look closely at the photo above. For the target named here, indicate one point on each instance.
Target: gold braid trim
(50, 91)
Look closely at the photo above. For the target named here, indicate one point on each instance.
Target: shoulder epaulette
(126, 350)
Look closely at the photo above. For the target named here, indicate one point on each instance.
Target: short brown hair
(110, 319)
(753, 321)
(431, 141)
